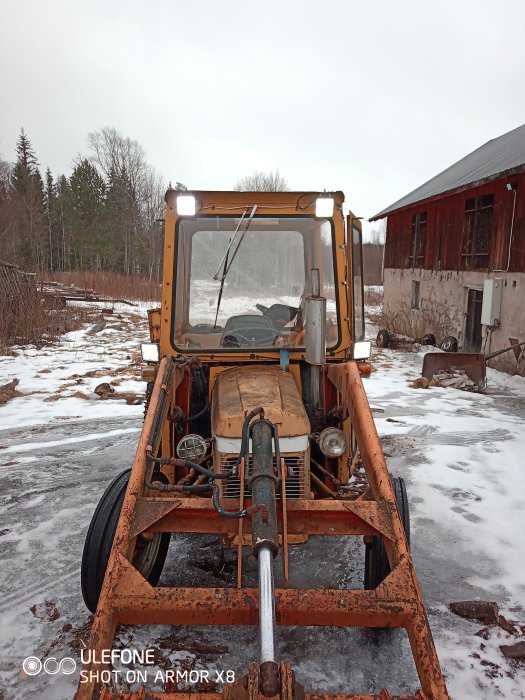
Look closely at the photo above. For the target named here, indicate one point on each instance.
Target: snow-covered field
(461, 455)
(57, 382)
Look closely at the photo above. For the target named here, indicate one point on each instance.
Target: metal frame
(126, 597)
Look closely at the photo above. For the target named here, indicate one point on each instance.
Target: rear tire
(383, 339)
(377, 566)
(149, 556)
(450, 344)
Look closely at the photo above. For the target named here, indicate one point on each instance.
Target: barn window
(419, 237)
(477, 234)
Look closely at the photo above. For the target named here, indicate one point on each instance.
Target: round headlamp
(192, 447)
(332, 442)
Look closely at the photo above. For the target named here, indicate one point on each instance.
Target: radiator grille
(295, 480)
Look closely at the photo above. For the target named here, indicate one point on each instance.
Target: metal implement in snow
(258, 430)
(473, 364)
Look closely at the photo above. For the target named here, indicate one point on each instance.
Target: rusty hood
(239, 390)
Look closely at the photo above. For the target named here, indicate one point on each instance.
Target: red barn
(456, 246)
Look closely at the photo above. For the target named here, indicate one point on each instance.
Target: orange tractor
(257, 430)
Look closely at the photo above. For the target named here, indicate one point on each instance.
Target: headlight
(150, 352)
(362, 350)
(332, 442)
(186, 205)
(324, 207)
(192, 447)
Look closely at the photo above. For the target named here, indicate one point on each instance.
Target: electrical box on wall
(491, 306)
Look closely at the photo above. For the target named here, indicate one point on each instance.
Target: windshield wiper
(224, 262)
(227, 266)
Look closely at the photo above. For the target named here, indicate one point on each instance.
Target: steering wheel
(238, 338)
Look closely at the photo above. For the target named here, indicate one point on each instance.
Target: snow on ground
(57, 381)
(460, 454)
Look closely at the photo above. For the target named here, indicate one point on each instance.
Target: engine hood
(239, 390)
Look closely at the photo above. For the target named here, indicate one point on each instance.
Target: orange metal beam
(397, 602)
(152, 695)
(134, 601)
(306, 517)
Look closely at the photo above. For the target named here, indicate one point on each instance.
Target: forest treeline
(104, 216)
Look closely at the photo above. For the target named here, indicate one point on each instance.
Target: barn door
(473, 321)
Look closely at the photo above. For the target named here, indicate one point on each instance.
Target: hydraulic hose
(154, 485)
(236, 514)
(175, 462)
(213, 476)
(198, 414)
(245, 435)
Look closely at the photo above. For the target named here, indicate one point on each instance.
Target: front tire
(149, 555)
(377, 566)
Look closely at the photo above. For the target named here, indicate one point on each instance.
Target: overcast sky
(373, 98)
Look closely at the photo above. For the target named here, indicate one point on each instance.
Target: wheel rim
(146, 554)
(448, 345)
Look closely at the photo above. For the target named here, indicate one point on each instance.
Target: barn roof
(494, 158)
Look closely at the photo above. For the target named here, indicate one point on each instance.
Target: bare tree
(260, 181)
(119, 158)
(378, 234)
(153, 211)
(7, 237)
(136, 195)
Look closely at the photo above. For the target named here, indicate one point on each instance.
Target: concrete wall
(448, 291)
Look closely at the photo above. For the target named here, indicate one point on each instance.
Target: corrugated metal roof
(494, 157)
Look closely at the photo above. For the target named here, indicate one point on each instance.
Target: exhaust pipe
(315, 341)
(315, 324)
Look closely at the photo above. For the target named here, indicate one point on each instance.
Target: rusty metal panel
(238, 389)
(473, 364)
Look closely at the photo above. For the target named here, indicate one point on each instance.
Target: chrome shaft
(266, 605)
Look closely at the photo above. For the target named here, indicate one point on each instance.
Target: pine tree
(25, 167)
(63, 242)
(50, 208)
(27, 191)
(87, 216)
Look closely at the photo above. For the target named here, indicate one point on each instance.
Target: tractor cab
(240, 268)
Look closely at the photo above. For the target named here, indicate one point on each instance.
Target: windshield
(240, 286)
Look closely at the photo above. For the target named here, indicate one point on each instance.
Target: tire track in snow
(8, 601)
(426, 434)
(32, 446)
